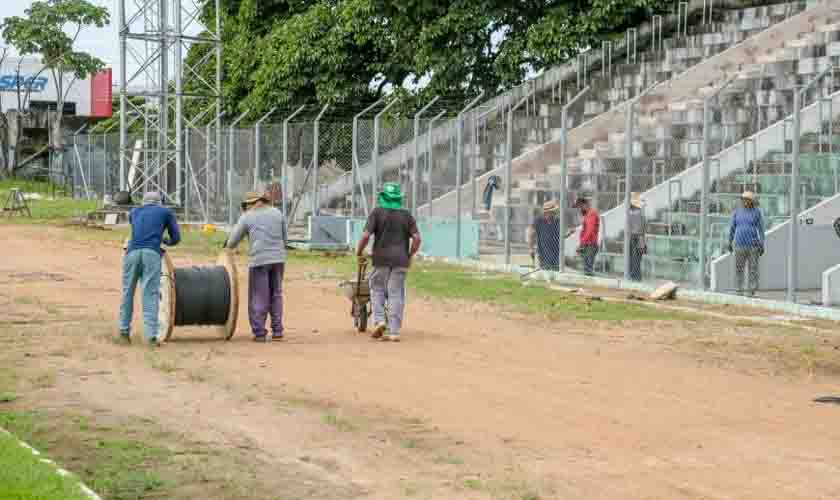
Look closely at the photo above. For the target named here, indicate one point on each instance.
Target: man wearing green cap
(392, 228)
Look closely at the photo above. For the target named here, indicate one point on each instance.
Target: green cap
(390, 196)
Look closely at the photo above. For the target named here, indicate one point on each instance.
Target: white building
(91, 97)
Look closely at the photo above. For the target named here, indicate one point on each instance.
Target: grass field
(47, 208)
(23, 476)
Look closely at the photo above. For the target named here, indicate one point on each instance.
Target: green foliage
(348, 52)
(50, 29)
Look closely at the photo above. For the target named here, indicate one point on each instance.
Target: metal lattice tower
(166, 99)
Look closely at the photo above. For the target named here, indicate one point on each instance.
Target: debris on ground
(668, 291)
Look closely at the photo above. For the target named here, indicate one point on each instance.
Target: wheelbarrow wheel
(363, 318)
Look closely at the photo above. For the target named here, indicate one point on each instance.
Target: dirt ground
(473, 404)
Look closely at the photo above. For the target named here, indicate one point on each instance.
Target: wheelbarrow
(358, 291)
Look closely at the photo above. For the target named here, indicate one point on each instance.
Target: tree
(349, 52)
(50, 29)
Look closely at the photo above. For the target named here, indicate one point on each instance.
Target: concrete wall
(438, 237)
(819, 250)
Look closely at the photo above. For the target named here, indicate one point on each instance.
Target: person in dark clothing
(493, 183)
(544, 237)
(638, 244)
(392, 229)
(142, 263)
(746, 241)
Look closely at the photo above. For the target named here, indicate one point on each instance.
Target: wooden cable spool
(170, 301)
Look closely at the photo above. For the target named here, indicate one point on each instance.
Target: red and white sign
(91, 97)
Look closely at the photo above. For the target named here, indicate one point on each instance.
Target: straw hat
(748, 195)
(550, 206)
(636, 200)
(252, 197)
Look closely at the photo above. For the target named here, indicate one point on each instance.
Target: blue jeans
(143, 266)
(387, 288)
(589, 252)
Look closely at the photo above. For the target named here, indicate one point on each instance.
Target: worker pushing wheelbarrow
(395, 241)
(358, 291)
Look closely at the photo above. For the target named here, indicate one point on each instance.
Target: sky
(99, 42)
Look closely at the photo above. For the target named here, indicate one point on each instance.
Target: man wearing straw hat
(544, 236)
(638, 245)
(746, 240)
(142, 262)
(265, 227)
(391, 228)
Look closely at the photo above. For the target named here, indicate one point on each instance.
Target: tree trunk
(12, 139)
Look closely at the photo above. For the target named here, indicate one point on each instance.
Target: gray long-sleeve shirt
(266, 231)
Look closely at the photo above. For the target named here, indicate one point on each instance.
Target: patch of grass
(340, 423)
(197, 376)
(24, 476)
(450, 282)
(449, 460)
(409, 444)
(50, 208)
(45, 380)
(158, 362)
(119, 469)
(473, 484)
(8, 397)
(25, 301)
(119, 473)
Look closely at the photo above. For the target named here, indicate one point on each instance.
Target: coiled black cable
(202, 296)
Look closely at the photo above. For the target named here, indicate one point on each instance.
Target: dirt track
(473, 404)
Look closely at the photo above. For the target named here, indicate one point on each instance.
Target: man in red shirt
(588, 247)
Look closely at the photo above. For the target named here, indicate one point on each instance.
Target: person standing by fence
(588, 247)
(265, 227)
(391, 228)
(746, 241)
(142, 263)
(544, 237)
(638, 244)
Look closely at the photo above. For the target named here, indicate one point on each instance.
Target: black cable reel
(837, 226)
(199, 296)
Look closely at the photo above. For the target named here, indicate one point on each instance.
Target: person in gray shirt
(265, 227)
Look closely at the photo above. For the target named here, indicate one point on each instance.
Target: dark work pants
(265, 294)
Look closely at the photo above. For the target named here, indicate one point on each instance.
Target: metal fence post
(509, 178)
(704, 194)
(189, 173)
(563, 177)
(357, 179)
(232, 161)
(508, 181)
(230, 196)
(207, 152)
(793, 242)
(316, 160)
(375, 158)
(430, 147)
(459, 161)
(628, 181)
(284, 172)
(415, 170)
(258, 146)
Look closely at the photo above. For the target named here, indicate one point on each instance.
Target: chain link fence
(598, 172)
